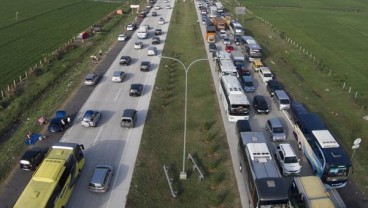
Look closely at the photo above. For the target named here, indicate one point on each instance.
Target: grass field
(320, 92)
(162, 141)
(40, 27)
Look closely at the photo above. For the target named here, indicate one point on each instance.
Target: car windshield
(278, 130)
(290, 160)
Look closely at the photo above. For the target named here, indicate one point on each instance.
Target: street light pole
(183, 173)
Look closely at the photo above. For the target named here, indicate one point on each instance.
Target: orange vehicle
(219, 23)
(211, 34)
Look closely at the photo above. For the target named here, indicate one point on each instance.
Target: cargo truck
(211, 34)
(219, 23)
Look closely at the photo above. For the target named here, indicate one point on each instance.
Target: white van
(265, 74)
(282, 100)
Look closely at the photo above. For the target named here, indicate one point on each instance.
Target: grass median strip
(162, 141)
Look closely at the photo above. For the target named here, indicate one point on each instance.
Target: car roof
(275, 122)
(88, 113)
(259, 98)
(125, 57)
(118, 73)
(152, 48)
(136, 85)
(28, 154)
(89, 76)
(145, 62)
(128, 112)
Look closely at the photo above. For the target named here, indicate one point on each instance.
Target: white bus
(236, 28)
(224, 64)
(236, 103)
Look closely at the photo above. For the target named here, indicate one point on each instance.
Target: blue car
(59, 123)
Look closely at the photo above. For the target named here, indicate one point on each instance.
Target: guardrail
(195, 167)
(169, 181)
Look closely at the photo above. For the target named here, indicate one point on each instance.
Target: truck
(219, 23)
(142, 32)
(219, 7)
(212, 12)
(211, 34)
(238, 59)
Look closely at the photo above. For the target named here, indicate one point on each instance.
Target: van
(129, 118)
(282, 100)
(265, 74)
(257, 64)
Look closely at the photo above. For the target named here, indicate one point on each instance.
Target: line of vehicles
(58, 168)
(266, 186)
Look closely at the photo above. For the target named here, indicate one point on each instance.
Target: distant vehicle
(125, 60)
(237, 40)
(229, 48)
(161, 21)
(122, 37)
(118, 76)
(152, 51)
(223, 33)
(101, 178)
(154, 14)
(226, 40)
(91, 79)
(91, 118)
(168, 7)
(272, 86)
(156, 40)
(138, 45)
(276, 129)
(136, 90)
(158, 31)
(32, 158)
(287, 159)
(157, 7)
(260, 104)
(131, 26)
(166, 1)
(212, 47)
(145, 66)
(142, 14)
(60, 122)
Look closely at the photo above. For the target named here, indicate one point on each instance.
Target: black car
(156, 40)
(125, 60)
(212, 47)
(145, 66)
(136, 90)
(237, 40)
(260, 104)
(158, 31)
(32, 158)
(273, 85)
(59, 123)
(154, 14)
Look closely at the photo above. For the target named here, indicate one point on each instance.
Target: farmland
(31, 29)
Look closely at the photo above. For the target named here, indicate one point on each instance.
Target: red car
(229, 48)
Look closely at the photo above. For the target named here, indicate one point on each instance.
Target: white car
(131, 27)
(122, 37)
(226, 40)
(166, 1)
(161, 21)
(157, 7)
(287, 159)
(152, 51)
(118, 76)
(138, 45)
(168, 7)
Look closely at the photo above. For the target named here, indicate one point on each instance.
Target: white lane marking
(117, 95)
(96, 138)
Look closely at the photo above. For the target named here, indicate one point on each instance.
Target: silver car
(101, 178)
(118, 76)
(276, 130)
(91, 79)
(91, 118)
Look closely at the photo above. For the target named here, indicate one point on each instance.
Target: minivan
(101, 178)
(257, 64)
(276, 130)
(265, 74)
(282, 100)
(129, 118)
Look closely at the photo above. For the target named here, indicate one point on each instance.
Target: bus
(236, 28)
(54, 180)
(328, 159)
(224, 64)
(309, 192)
(266, 187)
(236, 103)
(252, 48)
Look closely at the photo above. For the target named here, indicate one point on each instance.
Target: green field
(336, 32)
(41, 27)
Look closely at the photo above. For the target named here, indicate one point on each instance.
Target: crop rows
(25, 43)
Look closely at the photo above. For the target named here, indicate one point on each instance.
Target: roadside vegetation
(162, 141)
(50, 87)
(319, 27)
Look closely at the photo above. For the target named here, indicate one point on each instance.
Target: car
(129, 118)
(91, 79)
(272, 86)
(149, 6)
(152, 51)
(136, 90)
(131, 27)
(118, 76)
(248, 84)
(138, 45)
(158, 32)
(142, 14)
(32, 158)
(166, 1)
(101, 178)
(91, 118)
(287, 160)
(156, 40)
(145, 66)
(60, 122)
(276, 129)
(154, 14)
(244, 71)
(125, 60)
(229, 48)
(237, 40)
(161, 21)
(265, 74)
(226, 40)
(223, 33)
(212, 47)
(260, 104)
(122, 37)
(157, 7)
(168, 7)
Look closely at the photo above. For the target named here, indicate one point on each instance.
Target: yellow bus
(53, 182)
